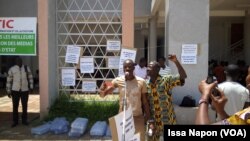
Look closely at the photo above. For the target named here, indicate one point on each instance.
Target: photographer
(242, 117)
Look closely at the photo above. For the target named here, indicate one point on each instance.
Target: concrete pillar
(247, 37)
(188, 23)
(152, 48)
(128, 23)
(166, 29)
(47, 54)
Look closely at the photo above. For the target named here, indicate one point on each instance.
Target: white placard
(188, 59)
(126, 54)
(89, 86)
(72, 54)
(136, 137)
(113, 62)
(113, 45)
(189, 49)
(68, 77)
(129, 127)
(87, 65)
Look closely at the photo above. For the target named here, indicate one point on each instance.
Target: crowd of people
(148, 91)
(151, 98)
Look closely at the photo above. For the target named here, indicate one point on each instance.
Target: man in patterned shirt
(159, 93)
(165, 69)
(19, 83)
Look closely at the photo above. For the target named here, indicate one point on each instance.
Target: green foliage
(93, 110)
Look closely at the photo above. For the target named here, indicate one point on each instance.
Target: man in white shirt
(164, 70)
(236, 94)
(19, 83)
(141, 69)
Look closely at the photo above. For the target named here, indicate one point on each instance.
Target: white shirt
(165, 71)
(236, 94)
(140, 72)
(17, 79)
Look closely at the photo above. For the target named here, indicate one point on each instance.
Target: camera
(211, 79)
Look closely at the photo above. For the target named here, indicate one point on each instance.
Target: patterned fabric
(165, 71)
(240, 118)
(160, 100)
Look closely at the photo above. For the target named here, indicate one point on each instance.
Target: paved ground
(22, 132)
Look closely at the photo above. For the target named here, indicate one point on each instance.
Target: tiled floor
(19, 132)
(33, 104)
(6, 106)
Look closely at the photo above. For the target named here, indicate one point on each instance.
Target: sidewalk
(22, 132)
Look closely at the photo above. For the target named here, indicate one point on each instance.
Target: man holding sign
(135, 89)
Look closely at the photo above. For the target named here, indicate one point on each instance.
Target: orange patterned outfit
(160, 100)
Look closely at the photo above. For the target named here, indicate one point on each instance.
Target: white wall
(188, 22)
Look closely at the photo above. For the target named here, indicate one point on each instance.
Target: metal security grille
(87, 24)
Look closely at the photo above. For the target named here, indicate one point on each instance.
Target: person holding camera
(241, 117)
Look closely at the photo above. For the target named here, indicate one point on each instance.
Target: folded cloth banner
(108, 132)
(59, 125)
(41, 129)
(98, 129)
(78, 127)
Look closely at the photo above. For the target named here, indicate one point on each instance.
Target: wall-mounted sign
(89, 86)
(113, 45)
(113, 62)
(188, 59)
(18, 36)
(189, 53)
(87, 65)
(126, 53)
(72, 54)
(189, 49)
(68, 77)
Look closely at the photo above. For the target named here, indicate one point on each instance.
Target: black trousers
(16, 96)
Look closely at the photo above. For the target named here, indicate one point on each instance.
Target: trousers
(16, 97)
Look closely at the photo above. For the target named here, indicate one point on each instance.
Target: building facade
(154, 27)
